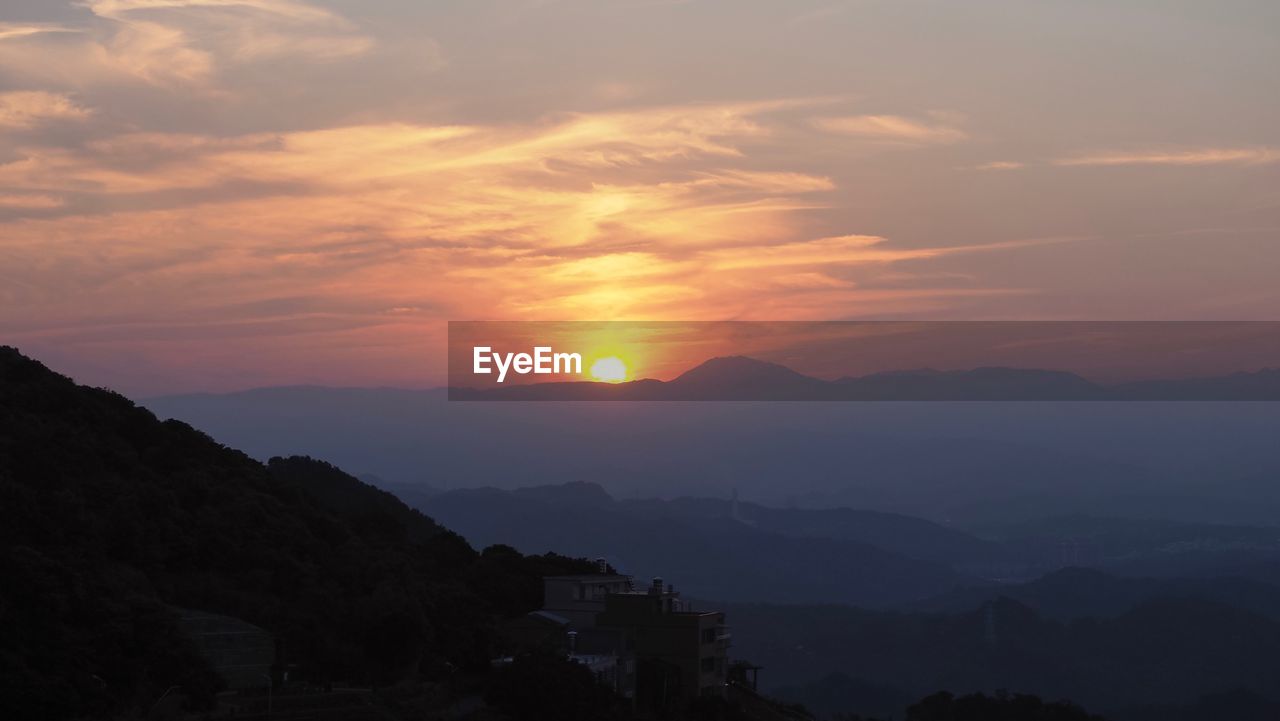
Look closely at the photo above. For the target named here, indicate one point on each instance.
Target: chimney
(602, 565)
(573, 643)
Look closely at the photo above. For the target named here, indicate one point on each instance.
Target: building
(579, 599)
(680, 653)
(241, 653)
(664, 653)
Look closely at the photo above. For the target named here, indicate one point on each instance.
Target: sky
(209, 195)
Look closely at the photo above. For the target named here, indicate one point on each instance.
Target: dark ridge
(110, 518)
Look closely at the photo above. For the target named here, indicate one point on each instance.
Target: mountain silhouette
(987, 384)
(739, 378)
(1263, 385)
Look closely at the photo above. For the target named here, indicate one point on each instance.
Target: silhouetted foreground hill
(738, 378)
(109, 517)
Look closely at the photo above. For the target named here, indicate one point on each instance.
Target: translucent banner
(864, 361)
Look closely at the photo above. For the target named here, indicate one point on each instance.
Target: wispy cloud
(285, 8)
(892, 128)
(651, 212)
(29, 200)
(11, 31)
(1197, 156)
(1182, 157)
(1001, 165)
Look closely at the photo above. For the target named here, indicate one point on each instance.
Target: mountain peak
(736, 371)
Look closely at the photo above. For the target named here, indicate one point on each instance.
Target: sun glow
(609, 370)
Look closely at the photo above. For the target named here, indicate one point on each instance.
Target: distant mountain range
(739, 551)
(712, 553)
(1133, 647)
(963, 464)
(1166, 649)
(1077, 593)
(738, 378)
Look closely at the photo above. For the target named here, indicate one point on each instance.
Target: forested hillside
(109, 518)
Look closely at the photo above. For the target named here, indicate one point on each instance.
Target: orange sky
(218, 194)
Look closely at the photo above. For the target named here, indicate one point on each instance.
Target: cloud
(1184, 158)
(1199, 156)
(892, 128)
(27, 108)
(161, 40)
(585, 201)
(652, 212)
(299, 11)
(1001, 165)
(176, 42)
(29, 200)
(11, 31)
(848, 250)
(780, 182)
(1191, 157)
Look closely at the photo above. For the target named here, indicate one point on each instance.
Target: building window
(708, 635)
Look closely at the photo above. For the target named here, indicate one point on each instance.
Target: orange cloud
(1199, 156)
(10, 31)
(29, 200)
(23, 109)
(646, 213)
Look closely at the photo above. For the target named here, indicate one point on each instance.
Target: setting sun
(609, 370)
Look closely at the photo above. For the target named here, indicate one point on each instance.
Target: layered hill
(766, 557)
(1077, 593)
(1166, 650)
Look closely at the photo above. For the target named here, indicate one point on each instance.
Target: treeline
(109, 518)
(1002, 706)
